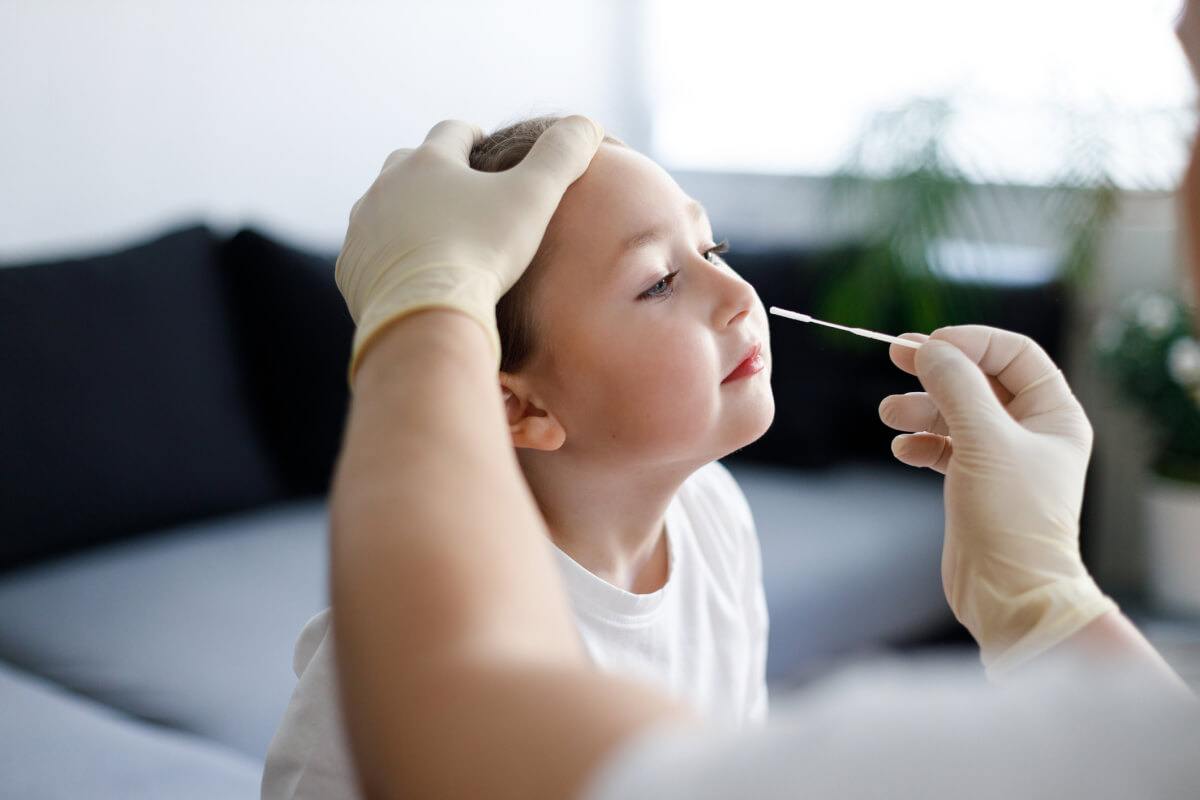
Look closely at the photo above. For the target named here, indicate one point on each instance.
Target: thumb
(453, 137)
(557, 159)
(959, 388)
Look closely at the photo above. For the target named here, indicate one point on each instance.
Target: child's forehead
(627, 173)
(624, 190)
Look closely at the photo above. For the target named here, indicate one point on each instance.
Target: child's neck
(610, 523)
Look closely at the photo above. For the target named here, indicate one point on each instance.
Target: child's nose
(735, 298)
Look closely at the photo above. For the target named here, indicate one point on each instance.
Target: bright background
(810, 76)
(122, 116)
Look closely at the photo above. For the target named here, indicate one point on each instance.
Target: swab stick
(883, 337)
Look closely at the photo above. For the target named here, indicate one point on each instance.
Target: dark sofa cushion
(296, 333)
(121, 406)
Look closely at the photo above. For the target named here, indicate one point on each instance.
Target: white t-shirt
(702, 638)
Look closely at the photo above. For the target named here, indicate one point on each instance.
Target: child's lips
(752, 364)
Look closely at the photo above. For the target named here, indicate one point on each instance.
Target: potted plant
(914, 194)
(1149, 349)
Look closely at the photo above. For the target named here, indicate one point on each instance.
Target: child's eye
(713, 254)
(666, 285)
(663, 288)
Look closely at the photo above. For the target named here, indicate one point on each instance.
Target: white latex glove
(999, 420)
(433, 233)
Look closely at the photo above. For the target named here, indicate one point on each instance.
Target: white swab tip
(783, 312)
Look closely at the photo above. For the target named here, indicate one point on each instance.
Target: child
(633, 358)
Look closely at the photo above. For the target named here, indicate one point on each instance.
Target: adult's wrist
(1054, 613)
(450, 287)
(414, 341)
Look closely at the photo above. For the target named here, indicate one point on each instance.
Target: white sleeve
(900, 731)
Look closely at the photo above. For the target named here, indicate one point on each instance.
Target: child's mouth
(752, 364)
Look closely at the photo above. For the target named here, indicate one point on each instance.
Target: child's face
(633, 363)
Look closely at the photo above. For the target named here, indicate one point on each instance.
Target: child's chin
(759, 421)
(752, 426)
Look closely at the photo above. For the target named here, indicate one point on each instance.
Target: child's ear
(530, 425)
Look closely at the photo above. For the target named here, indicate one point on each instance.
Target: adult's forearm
(1112, 637)
(428, 492)
(461, 672)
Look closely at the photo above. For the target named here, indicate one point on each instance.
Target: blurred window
(1036, 85)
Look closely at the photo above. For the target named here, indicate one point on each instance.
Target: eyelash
(667, 282)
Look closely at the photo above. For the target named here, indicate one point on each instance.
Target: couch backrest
(162, 384)
(295, 334)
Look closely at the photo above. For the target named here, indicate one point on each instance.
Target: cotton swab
(883, 337)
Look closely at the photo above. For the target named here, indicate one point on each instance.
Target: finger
(1017, 362)
(453, 138)
(1002, 394)
(924, 450)
(903, 356)
(912, 412)
(905, 359)
(557, 159)
(960, 390)
(395, 157)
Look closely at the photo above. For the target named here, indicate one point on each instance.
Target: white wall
(120, 117)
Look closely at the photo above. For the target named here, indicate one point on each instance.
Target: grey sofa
(169, 415)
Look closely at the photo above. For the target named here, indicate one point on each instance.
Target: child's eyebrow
(652, 235)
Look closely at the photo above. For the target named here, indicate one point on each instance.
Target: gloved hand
(433, 233)
(999, 420)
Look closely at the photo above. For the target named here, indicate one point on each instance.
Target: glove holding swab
(998, 419)
(883, 337)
